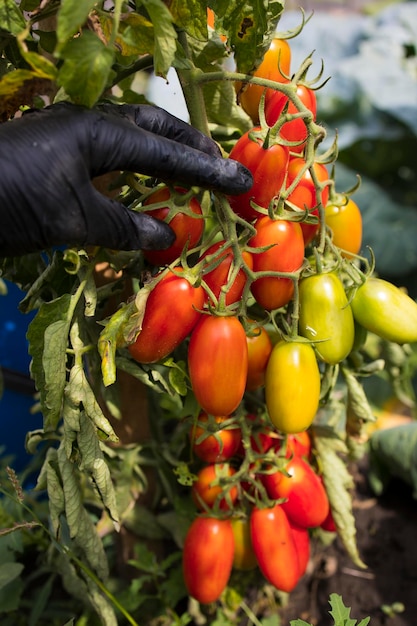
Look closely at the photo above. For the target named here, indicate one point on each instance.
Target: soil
(387, 542)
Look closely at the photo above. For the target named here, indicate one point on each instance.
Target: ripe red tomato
(307, 504)
(274, 547)
(218, 363)
(244, 557)
(304, 195)
(285, 255)
(218, 277)
(329, 523)
(345, 223)
(259, 350)
(206, 492)
(211, 442)
(295, 130)
(292, 386)
(268, 164)
(208, 558)
(301, 538)
(188, 229)
(274, 66)
(172, 310)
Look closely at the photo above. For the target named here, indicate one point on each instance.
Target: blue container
(17, 399)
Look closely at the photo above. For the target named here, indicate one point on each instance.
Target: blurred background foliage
(369, 52)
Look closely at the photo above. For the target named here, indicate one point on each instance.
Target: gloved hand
(48, 158)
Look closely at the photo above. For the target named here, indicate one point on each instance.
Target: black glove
(48, 157)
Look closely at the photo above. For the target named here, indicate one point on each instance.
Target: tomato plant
(217, 278)
(305, 195)
(301, 538)
(345, 223)
(286, 255)
(187, 224)
(307, 504)
(218, 363)
(274, 66)
(268, 164)
(296, 129)
(384, 309)
(244, 557)
(207, 490)
(208, 558)
(211, 442)
(326, 318)
(172, 310)
(296, 444)
(259, 350)
(274, 547)
(292, 386)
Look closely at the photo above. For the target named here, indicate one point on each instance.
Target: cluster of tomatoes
(266, 293)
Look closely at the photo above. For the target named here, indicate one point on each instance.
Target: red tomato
(295, 130)
(212, 443)
(345, 223)
(259, 350)
(307, 503)
(297, 444)
(285, 255)
(218, 363)
(208, 558)
(304, 195)
(218, 277)
(274, 547)
(207, 491)
(244, 557)
(268, 165)
(302, 544)
(172, 310)
(329, 523)
(274, 66)
(188, 229)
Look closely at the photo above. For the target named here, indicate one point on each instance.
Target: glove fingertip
(151, 234)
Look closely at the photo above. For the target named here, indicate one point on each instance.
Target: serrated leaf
(165, 44)
(71, 16)
(86, 68)
(341, 613)
(11, 17)
(338, 483)
(48, 339)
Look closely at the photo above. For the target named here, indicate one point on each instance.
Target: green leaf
(191, 15)
(341, 614)
(8, 572)
(86, 68)
(165, 36)
(11, 17)
(72, 15)
(40, 602)
(393, 452)
(48, 340)
(339, 484)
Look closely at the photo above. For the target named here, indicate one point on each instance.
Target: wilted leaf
(191, 15)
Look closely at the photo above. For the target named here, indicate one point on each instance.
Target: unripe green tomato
(292, 386)
(326, 317)
(384, 309)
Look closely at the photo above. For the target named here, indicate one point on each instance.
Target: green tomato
(326, 317)
(384, 309)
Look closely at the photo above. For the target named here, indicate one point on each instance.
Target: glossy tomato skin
(307, 504)
(301, 538)
(285, 255)
(268, 166)
(326, 317)
(295, 130)
(218, 277)
(345, 223)
(208, 558)
(259, 350)
(386, 310)
(206, 492)
(304, 195)
(218, 363)
(188, 230)
(274, 66)
(329, 523)
(212, 443)
(292, 386)
(172, 310)
(274, 547)
(244, 557)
